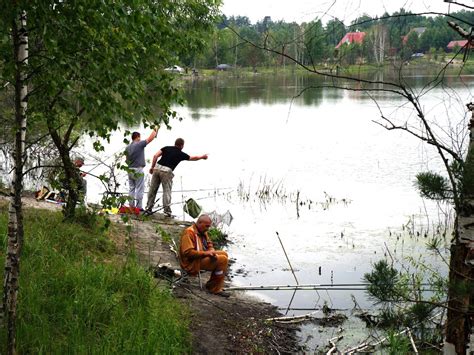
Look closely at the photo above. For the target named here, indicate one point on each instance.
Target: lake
(315, 170)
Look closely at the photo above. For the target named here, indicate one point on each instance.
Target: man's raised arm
(152, 134)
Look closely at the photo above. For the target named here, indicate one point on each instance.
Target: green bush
(397, 344)
(218, 237)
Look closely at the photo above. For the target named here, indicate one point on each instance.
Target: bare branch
(391, 126)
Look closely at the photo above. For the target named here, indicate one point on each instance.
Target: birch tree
(19, 38)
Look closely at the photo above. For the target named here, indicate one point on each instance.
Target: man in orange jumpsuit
(197, 252)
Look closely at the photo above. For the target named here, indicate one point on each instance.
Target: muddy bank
(218, 325)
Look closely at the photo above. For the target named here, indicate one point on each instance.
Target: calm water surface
(356, 178)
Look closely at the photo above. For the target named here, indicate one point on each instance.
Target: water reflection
(306, 89)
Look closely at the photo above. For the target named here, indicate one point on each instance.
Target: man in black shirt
(162, 173)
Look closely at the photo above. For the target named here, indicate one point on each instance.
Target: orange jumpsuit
(192, 258)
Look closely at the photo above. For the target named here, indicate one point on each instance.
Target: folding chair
(184, 274)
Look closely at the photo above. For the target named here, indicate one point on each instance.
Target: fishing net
(219, 219)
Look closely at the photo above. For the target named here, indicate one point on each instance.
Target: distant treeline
(399, 35)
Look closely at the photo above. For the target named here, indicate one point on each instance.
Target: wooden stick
(291, 267)
(412, 341)
(364, 346)
(293, 318)
(333, 342)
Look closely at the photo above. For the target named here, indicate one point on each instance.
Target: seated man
(197, 253)
(79, 163)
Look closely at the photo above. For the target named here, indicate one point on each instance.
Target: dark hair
(135, 135)
(179, 142)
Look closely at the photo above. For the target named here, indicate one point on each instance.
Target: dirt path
(218, 325)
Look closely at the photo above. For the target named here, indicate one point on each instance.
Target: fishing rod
(160, 192)
(294, 288)
(176, 203)
(311, 309)
(300, 286)
(306, 287)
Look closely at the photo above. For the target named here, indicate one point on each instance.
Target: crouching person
(197, 253)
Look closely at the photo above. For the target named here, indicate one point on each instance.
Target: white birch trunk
(15, 214)
(461, 263)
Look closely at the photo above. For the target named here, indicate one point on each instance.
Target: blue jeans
(136, 184)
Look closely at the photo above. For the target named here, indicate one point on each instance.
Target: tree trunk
(459, 295)
(215, 49)
(72, 180)
(461, 274)
(15, 212)
(72, 184)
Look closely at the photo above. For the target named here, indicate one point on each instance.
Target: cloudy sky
(345, 10)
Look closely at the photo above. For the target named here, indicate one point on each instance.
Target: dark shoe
(223, 294)
(147, 213)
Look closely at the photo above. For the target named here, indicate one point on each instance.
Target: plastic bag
(192, 208)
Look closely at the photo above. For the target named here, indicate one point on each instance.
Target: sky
(346, 10)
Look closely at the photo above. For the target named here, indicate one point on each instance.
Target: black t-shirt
(171, 156)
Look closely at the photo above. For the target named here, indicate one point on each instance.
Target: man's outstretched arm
(198, 157)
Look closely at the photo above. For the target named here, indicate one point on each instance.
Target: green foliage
(408, 298)
(76, 298)
(314, 42)
(90, 219)
(217, 236)
(398, 344)
(95, 64)
(165, 236)
(418, 313)
(433, 186)
(390, 318)
(310, 43)
(383, 282)
(434, 244)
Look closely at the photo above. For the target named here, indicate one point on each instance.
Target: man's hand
(210, 253)
(151, 171)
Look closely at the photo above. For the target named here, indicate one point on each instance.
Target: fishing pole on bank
(310, 287)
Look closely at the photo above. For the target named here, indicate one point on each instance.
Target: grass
(218, 237)
(76, 296)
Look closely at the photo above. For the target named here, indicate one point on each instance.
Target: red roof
(460, 43)
(351, 37)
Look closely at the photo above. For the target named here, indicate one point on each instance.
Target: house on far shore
(351, 37)
(461, 44)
